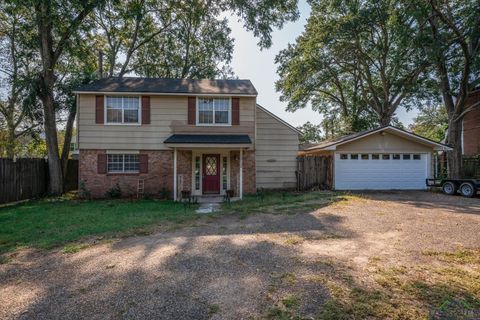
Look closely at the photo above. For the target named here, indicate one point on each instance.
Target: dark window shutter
(143, 160)
(102, 163)
(192, 110)
(99, 112)
(235, 111)
(145, 110)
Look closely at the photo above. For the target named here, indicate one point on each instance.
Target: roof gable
(169, 86)
(332, 145)
(285, 123)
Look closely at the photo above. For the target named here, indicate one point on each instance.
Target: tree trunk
(384, 120)
(46, 95)
(67, 140)
(54, 164)
(10, 147)
(454, 139)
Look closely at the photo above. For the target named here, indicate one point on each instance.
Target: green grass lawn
(49, 223)
(282, 202)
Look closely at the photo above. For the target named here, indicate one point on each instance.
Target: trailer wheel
(467, 189)
(449, 188)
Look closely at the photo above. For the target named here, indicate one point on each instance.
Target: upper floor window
(214, 111)
(122, 109)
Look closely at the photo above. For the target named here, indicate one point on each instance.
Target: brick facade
(160, 173)
(471, 127)
(159, 176)
(249, 176)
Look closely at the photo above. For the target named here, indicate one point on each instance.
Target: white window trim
(139, 123)
(123, 163)
(213, 124)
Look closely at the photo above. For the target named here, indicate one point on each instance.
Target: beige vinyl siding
(276, 151)
(168, 115)
(246, 125)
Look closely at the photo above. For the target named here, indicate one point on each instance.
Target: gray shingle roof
(176, 86)
(209, 138)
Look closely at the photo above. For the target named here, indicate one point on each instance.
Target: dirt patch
(373, 255)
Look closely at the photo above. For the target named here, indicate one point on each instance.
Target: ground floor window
(123, 163)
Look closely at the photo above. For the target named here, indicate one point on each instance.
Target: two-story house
(202, 136)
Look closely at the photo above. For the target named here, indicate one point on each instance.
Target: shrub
(84, 193)
(114, 192)
(164, 193)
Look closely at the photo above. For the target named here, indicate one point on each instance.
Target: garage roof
(332, 144)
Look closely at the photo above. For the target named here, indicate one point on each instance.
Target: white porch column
(174, 174)
(241, 174)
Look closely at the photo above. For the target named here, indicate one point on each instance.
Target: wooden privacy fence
(314, 172)
(22, 179)
(27, 178)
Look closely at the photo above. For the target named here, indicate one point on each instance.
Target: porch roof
(242, 140)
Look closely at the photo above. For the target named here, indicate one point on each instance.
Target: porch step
(210, 199)
(208, 207)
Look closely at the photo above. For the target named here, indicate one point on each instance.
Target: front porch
(208, 170)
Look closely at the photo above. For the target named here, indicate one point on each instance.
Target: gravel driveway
(231, 268)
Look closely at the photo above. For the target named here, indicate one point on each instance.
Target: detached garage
(385, 158)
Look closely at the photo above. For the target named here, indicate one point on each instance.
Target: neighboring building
(385, 158)
(209, 134)
(471, 127)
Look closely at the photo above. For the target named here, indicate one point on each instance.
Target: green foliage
(431, 122)
(213, 308)
(164, 193)
(49, 223)
(180, 39)
(83, 192)
(355, 63)
(281, 202)
(114, 192)
(19, 121)
(310, 132)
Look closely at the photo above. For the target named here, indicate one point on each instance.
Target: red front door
(211, 173)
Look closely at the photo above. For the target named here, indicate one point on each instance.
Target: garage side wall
(276, 150)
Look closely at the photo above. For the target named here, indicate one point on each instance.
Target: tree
(18, 120)
(60, 25)
(310, 132)
(125, 27)
(355, 59)
(180, 38)
(197, 45)
(431, 122)
(451, 31)
(56, 25)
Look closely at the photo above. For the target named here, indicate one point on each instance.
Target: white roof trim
(279, 119)
(412, 136)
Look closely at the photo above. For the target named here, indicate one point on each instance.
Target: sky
(249, 62)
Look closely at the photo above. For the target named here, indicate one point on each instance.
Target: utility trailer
(467, 187)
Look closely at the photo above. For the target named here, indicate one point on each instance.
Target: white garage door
(357, 171)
